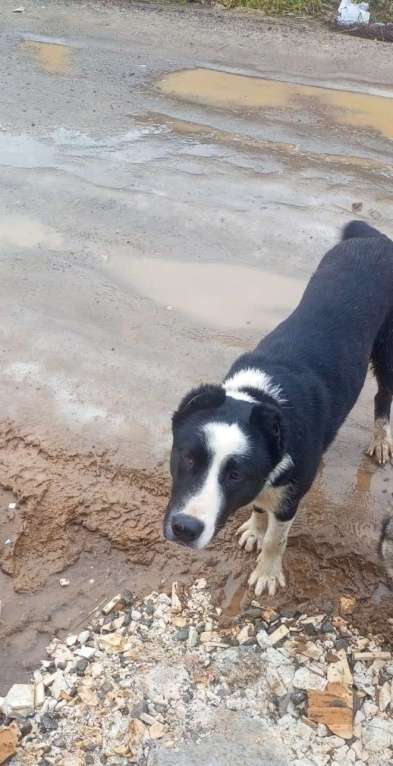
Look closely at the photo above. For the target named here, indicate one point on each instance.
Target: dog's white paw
(251, 535)
(381, 446)
(267, 575)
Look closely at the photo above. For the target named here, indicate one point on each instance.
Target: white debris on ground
(148, 677)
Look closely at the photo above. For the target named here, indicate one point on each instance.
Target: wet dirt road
(170, 178)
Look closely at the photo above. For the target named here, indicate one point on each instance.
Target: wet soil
(221, 89)
(99, 525)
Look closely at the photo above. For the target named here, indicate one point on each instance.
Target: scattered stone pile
(147, 677)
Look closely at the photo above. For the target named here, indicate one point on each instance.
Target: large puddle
(221, 89)
(218, 294)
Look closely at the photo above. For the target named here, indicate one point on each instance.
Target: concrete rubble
(166, 681)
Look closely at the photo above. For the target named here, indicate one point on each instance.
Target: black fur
(319, 358)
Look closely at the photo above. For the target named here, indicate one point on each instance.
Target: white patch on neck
(223, 441)
(250, 377)
(285, 464)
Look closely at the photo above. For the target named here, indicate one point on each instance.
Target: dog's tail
(386, 545)
(360, 229)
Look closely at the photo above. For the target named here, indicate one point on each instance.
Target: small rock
(176, 605)
(305, 679)
(48, 723)
(19, 702)
(182, 635)
(299, 698)
(370, 709)
(97, 669)
(109, 607)
(347, 605)
(201, 584)
(63, 582)
(135, 737)
(157, 730)
(81, 666)
(247, 632)
(39, 694)
(127, 599)
(84, 636)
(25, 727)
(87, 652)
(385, 696)
(263, 639)
(377, 735)
(327, 627)
(71, 640)
(136, 615)
(193, 636)
(278, 635)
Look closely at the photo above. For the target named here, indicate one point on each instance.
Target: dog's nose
(185, 528)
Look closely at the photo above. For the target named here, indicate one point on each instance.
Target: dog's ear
(202, 398)
(267, 418)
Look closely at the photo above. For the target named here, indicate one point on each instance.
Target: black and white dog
(259, 437)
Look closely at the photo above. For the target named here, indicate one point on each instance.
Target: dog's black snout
(185, 528)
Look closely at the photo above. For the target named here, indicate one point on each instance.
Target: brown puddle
(54, 58)
(220, 89)
(221, 295)
(21, 231)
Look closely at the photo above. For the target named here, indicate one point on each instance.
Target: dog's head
(223, 450)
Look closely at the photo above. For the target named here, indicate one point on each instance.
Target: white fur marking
(252, 532)
(381, 443)
(223, 440)
(242, 396)
(285, 463)
(268, 571)
(250, 377)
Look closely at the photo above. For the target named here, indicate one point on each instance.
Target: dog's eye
(234, 474)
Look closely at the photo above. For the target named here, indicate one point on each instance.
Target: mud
(53, 58)
(223, 90)
(223, 296)
(99, 524)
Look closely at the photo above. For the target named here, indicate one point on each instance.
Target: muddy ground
(170, 177)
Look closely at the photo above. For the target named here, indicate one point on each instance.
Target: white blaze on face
(223, 441)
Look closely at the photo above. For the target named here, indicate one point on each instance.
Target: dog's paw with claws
(250, 534)
(267, 575)
(381, 446)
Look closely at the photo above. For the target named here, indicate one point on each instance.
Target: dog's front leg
(268, 571)
(252, 532)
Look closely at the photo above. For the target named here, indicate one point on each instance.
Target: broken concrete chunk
(87, 652)
(305, 679)
(278, 635)
(378, 735)
(39, 694)
(59, 685)
(19, 702)
(109, 607)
